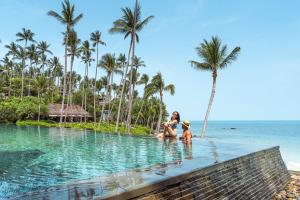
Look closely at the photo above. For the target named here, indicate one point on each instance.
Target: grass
(104, 127)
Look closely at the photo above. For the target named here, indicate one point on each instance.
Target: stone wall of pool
(258, 175)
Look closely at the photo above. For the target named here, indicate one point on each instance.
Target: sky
(263, 84)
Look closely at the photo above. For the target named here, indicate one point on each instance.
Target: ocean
(285, 134)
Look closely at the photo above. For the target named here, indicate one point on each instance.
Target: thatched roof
(71, 111)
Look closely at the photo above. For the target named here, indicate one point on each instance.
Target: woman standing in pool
(170, 126)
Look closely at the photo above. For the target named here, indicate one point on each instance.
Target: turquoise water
(286, 134)
(35, 158)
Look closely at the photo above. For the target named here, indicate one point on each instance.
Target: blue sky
(263, 84)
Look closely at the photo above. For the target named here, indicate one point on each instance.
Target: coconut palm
(31, 54)
(41, 83)
(122, 64)
(21, 55)
(67, 18)
(8, 70)
(158, 85)
(215, 57)
(74, 52)
(129, 25)
(109, 64)
(143, 80)
(26, 35)
(54, 68)
(96, 39)
(12, 49)
(87, 59)
(43, 49)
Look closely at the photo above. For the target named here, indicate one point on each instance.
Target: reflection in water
(187, 150)
(40, 158)
(68, 155)
(214, 151)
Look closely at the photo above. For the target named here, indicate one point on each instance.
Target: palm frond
(231, 57)
(201, 66)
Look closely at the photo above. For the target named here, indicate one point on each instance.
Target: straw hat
(186, 123)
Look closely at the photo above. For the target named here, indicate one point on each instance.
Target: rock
(291, 195)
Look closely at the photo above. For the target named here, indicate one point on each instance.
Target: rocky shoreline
(292, 190)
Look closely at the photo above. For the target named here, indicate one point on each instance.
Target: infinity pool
(35, 158)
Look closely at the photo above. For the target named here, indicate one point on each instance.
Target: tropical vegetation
(32, 76)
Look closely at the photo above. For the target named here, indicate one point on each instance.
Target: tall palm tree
(21, 54)
(122, 62)
(41, 83)
(158, 85)
(54, 68)
(31, 53)
(215, 57)
(109, 64)
(129, 25)
(43, 49)
(26, 35)
(96, 39)
(67, 18)
(87, 59)
(74, 52)
(143, 80)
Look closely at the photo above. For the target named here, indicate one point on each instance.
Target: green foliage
(104, 127)
(14, 109)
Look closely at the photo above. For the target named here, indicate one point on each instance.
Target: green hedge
(104, 128)
(15, 108)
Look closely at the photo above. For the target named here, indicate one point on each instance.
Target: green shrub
(14, 109)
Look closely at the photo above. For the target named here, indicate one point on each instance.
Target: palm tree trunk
(128, 124)
(83, 92)
(95, 85)
(213, 91)
(22, 79)
(139, 113)
(65, 85)
(39, 112)
(10, 77)
(70, 90)
(29, 79)
(87, 85)
(103, 103)
(160, 112)
(123, 88)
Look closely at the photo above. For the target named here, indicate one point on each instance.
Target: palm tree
(54, 68)
(144, 80)
(41, 83)
(43, 48)
(129, 25)
(31, 53)
(26, 35)
(87, 59)
(74, 51)
(96, 39)
(157, 85)
(122, 63)
(21, 54)
(12, 50)
(8, 70)
(66, 18)
(109, 64)
(215, 57)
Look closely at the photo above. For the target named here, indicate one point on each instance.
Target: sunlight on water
(34, 158)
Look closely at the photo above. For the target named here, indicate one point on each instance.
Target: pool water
(35, 158)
